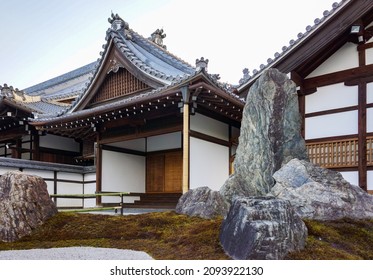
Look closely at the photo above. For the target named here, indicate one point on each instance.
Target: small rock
(24, 205)
(262, 228)
(202, 202)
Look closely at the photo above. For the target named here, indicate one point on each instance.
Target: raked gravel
(74, 253)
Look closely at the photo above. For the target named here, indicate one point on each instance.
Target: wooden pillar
(362, 123)
(186, 145)
(35, 148)
(362, 135)
(98, 162)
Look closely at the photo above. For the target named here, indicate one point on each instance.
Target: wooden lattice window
(118, 84)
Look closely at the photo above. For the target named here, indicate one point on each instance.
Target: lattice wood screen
(117, 85)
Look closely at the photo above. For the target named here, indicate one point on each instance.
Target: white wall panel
(42, 173)
(332, 125)
(4, 169)
(345, 58)
(209, 164)
(369, 56)
(164, 142)
(69, 188)
(209, 126)
(370, 180)
(370, 93)
(351, 176)
(122, 173)
(370, 120)
(332, 97)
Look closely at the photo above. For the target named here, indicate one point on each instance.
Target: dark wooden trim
(98, 169)
(175, 128)
(122, 150)
(336, 138)
(332, 138)
(209, 138)
(362, 136)
(365, 46)
(343, 76)
(332, 111)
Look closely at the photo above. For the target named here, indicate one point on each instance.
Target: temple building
(147, 121)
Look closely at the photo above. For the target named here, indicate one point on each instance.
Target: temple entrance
(164, 172)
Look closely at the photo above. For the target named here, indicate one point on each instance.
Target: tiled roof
(37, 89)
(145, 55)
(247, 78)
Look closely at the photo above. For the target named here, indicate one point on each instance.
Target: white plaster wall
(136, 144)
(42, 173)
(89, 188)
(351, 176)
(209, 126)
(370, 120)
(369, 56)
(209, 164)
(4, 170)
(332, 125)
(370, 93)
(69, 188)
(345, 58)
(332, 97)
(122, 173)
(164, 142)
(60, 143)
(70, 176)
(370, 180)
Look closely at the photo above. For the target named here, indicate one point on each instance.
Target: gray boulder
(24, 205)
(262, 228)
(319, 193)
(202, 202)
(270, 135)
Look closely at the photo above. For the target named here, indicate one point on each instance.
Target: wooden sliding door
(164, 172)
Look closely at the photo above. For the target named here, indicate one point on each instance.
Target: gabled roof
(317, 43)
(148, 61)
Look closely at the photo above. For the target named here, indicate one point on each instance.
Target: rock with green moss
(24, 205)
(270, 135)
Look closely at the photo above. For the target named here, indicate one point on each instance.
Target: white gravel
(74, 253)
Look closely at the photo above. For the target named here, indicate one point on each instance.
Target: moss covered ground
(168, 235)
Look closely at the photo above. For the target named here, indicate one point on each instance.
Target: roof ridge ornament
(201, 64)
(119, 25)
(157, 38)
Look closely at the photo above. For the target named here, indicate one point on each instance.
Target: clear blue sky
(41, 39)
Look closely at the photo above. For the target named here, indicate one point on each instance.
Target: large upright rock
(262, 228)
(24, 205)
(319, 193)
(270, 135)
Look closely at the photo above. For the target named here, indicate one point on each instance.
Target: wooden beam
(98, 163)
(346, 76)
(186, 138)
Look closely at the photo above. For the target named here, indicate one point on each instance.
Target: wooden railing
(339, 153)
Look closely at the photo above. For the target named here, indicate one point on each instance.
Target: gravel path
(74, 253)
